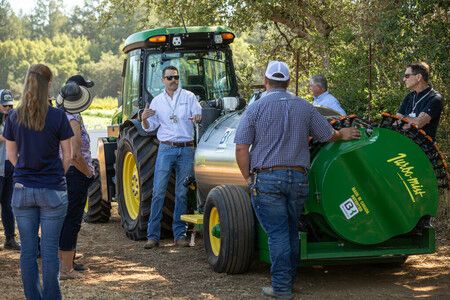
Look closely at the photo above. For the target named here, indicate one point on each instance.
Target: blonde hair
(33, 107)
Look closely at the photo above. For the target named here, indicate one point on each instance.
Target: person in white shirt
(173, 111)
(319, 88)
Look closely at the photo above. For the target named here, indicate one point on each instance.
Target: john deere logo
(406, 175)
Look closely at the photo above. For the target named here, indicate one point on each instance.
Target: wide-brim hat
(74, 98)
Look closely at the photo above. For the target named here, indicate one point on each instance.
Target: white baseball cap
(277, 70)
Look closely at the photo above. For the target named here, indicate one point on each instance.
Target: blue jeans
(278, 198)
(182, 160)
(47, 208)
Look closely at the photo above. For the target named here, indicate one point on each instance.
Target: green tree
(10, 25)
(64, 55)
(106, 74)
(47, 19)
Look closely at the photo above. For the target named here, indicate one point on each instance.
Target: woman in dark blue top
(34, 132)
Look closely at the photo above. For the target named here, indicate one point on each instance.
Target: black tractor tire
(97, 209)
(142, 150)
(232, 206)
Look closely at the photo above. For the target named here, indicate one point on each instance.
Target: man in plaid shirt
(277, 128)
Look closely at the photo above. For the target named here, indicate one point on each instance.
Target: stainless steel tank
(215, 162)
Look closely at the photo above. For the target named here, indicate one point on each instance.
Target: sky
(27, 6)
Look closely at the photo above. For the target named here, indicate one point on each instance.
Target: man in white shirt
(319, 88)
(173, 111)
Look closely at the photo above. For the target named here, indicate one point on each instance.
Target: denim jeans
(182, 160)
(6, 189)
(47, 208)
(278, 198)
(77, 189)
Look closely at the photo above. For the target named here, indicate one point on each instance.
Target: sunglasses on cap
(170, 78)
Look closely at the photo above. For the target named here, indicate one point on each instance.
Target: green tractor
(370, 199)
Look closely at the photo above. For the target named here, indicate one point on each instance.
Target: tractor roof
(142, 37)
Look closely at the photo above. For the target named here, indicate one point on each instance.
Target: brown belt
(178, 144)
(274, 168)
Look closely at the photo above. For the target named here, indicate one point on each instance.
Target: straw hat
(74, 98)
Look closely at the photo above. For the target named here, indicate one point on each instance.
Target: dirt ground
(121, 269)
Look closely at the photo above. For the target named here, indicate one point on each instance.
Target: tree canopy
(361, 46)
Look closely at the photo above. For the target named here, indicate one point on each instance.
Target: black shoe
(11, 244)
(79, 267)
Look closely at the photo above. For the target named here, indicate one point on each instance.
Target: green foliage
(106, 74)
(62, 54)
(362, 47)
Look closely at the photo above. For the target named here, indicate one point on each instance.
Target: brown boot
(72, 274)
(151, 244)
(182, 242)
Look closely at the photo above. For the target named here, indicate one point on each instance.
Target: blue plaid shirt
(278, 126)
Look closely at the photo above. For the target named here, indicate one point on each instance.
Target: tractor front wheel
(229, 229)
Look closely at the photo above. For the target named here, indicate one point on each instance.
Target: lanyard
(421, 98)
(176, 102)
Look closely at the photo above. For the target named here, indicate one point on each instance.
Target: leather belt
(274, 168)
(178, 144)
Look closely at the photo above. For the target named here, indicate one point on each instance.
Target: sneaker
(151, 244)
(72, 274)
(268, 291)
(79, 267)
(182, 242)
(11, 244)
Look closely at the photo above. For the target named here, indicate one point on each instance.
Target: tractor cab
(201, 54)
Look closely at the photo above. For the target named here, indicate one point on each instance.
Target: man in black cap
(6, 176)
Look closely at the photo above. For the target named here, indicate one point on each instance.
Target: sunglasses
(408, 75)
(170, 78)
(7, 106)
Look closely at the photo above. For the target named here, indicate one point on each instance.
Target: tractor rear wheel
(97, 210)
(229, 229)
(135, 165)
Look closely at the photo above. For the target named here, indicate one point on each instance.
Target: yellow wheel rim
(130, 182)
(213, 221)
